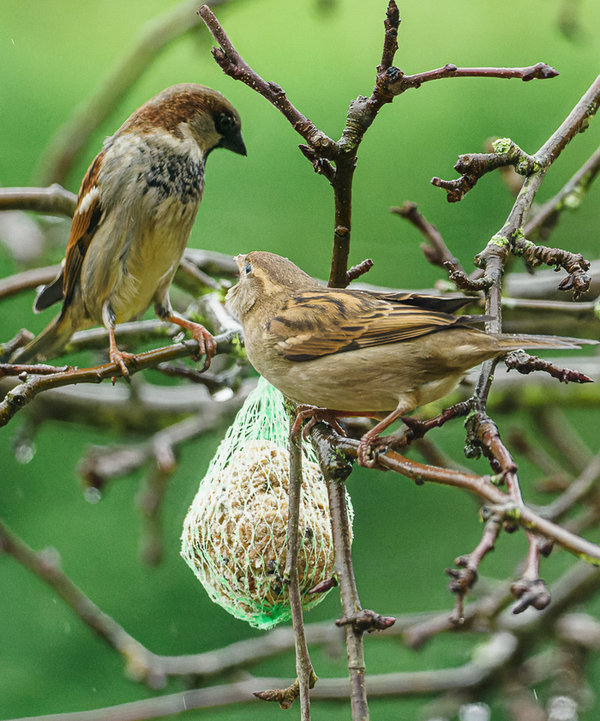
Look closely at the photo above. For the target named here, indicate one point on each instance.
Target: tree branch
(19, 396)
(52, 200)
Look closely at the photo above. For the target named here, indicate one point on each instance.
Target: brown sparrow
(357, 352)
(135, 210)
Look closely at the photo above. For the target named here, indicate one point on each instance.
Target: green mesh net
(235, 532)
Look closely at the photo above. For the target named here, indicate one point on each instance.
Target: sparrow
(135, 210)
(358, 352)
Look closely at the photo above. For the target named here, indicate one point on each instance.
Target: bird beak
(240, 260)
(234, 142)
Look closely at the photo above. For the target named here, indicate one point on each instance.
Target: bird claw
(369, 449)
(121, 358)
(206, 343)
(314, 415)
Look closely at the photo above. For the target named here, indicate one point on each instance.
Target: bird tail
(510, 341)
(49, 343)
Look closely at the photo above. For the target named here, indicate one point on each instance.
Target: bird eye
(224, 123)
(248, 268)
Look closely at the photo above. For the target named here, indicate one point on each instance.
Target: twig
(530, 589)
(322, 150)
(357, 270)
(27, 280)
(232, 63)
(436, 251)
(492, 259)
(306, 677)
(103, 464)
(524, 363)
(335, 470)
(576, 491)
(46, 565)
(577, 280)
(530, 447)
(473, 166)
(576, 585)
(465, 575)
(23, 369)
(418, 428)
(539, 71)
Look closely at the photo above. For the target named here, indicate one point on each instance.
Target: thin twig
(232, 63)
(46, 565)
(26, 280)
(335, 470)
(465, 575)
(575, 492)
(564, 439)
(304, 669)
(435, 250)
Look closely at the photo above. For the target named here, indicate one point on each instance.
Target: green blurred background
(52, 57)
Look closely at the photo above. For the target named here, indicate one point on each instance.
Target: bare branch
(27, 280)
(357, 270)
(19, 396)
(232, 64)
(525, 364)
(304, 669)
(335, 470)
(465, 574)
(480, 486)
(539, 71)
(436, 251)
(52, 200)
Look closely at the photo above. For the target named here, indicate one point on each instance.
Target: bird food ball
(234, 535)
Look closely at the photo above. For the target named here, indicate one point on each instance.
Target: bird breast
(149, 194)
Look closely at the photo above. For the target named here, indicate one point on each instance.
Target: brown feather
(317, 323)
(83, 228)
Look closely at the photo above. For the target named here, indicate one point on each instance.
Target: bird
(357, 352)
(135, 210)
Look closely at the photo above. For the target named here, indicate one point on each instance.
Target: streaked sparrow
(135, 210)
(356, 352)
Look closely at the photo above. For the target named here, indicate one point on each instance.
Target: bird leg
(371, 444)
(206, 343)
(115, 355)
(118, 356)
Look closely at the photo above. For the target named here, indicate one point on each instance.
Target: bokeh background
(52, 58)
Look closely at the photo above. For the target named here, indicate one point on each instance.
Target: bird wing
(319, 323)
(443, 303)
(86, 220)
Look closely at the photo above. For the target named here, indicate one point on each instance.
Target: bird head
(193, 111)
(263, 277)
